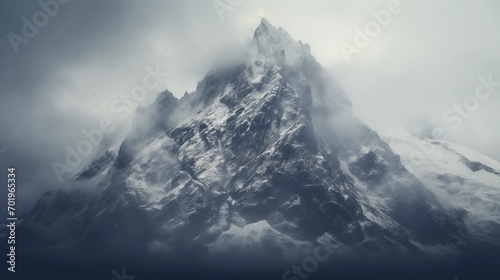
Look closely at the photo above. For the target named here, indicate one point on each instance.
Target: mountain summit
(264, 161)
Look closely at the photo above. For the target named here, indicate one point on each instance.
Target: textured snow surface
(443, 170)
(260, 236)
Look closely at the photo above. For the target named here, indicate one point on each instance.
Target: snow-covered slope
(462, 179)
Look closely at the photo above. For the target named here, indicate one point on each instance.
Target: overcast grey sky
(88, 53)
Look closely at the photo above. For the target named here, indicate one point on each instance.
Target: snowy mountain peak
(277, 45)
(298, 66)
(264, 25)
(265, 28)
(267, 149)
